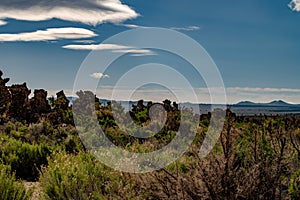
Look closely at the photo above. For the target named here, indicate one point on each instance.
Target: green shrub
(80, 177)
(9, 126)
(10, 189)
(294, 187)
(25, 159)
(72, 144)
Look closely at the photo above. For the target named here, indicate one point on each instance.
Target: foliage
(81, 177)
(62, 137)
(294, 188)
(10, 189)
(25, 159)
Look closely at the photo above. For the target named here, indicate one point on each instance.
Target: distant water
(250, 110)
(241, 109)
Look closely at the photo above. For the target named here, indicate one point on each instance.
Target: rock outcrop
(5, 98)
(39, 105)
(86, 104)
(62, 103)
(20, 106)
(15, 104)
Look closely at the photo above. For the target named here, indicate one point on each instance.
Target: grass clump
(70, 176)
(25, 159)
(10, 188)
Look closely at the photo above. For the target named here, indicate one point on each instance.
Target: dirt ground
(36, 189)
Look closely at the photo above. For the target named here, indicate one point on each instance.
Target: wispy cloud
(96, 47)
(99, 75)
(132, 26)
(2, 22)
(277, 90)
(84, 41)
(295, 5)
(48, 35)
(188, 28)
(111, 47)
(91, 12)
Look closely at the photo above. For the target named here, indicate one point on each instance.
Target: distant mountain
(273, 103)
(246, 103)
(279, 103)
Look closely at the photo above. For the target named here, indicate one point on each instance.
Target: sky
(255, 44)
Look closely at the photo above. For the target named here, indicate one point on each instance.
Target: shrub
(80, 177)
(294, 187)
(72, 144)
(25, 159)
(10, 189)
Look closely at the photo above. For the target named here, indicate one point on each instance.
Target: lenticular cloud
(90, 12)
(48, 34)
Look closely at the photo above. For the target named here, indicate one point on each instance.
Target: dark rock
(20, 106)
(39, 105)
(175, 106)
(3, 81)
(61, 102)
(86, 103)
(149, 104)
(167, 105)
(139, 107)
(5, 99)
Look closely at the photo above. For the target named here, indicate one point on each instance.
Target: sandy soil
(36, 189)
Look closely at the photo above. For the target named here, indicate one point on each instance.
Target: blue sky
(255, 44)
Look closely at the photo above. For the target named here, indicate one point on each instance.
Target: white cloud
(295, 5)
(2, 22)
(135, 52)
(84, 41)
(48, 34)
(99, 75)
(91, 12)
(132, 26)
(111, 47)
(96, 47)
(188, 28)
(277, 90)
